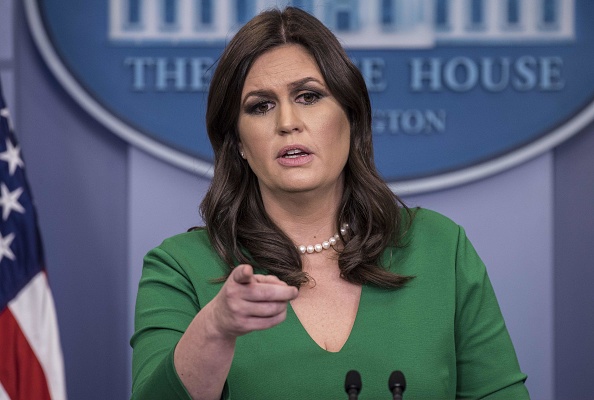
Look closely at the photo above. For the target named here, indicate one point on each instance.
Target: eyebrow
(292, 86)
(301, 82)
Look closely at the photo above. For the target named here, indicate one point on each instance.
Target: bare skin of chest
(327, 308)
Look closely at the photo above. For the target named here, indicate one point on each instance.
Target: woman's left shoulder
(426, 222)
(429, 243)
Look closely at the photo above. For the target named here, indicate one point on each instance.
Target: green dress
(444, 330)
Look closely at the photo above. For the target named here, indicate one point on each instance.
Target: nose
(289, 119)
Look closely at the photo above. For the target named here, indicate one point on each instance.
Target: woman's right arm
(246, 302)
(183, 350)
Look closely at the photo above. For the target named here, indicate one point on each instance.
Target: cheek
(253, 141)
(247, 137)
(241, 129)
(336, 130)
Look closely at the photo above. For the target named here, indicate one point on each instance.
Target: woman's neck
(306, 216)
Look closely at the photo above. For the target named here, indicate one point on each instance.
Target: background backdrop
(102, 204)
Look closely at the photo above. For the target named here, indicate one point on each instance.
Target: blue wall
(574, 267)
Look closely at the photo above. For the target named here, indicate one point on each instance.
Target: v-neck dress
(444, 330)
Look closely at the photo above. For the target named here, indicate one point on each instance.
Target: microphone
(397, 384)
(353, 384)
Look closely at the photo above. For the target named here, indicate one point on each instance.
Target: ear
(241, 153)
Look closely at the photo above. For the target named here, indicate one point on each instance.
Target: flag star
(5, 243)
(9, 201)
(12, 156)
(4, 113)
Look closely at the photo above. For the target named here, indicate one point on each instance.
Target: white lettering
(463, 74)
(163, 74)
(410, 122)
(139, 65)
(550, 70)
(177, 74)
(525, 68)
(201, 73)
(488, 76)
(372, 69)
(419, 73)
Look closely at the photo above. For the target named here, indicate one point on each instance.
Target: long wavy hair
(237, 223)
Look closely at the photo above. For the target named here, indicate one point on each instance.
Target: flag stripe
(31, 365)
(34, 310)
(17, 360)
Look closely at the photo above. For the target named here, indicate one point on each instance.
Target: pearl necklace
(325, 245)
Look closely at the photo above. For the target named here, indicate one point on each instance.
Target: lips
(294, 155)
(294, 151)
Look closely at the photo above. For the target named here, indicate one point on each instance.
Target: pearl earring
(242, 155)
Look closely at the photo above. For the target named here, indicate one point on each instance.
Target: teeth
(294, 153)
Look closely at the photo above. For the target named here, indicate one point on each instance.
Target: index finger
(273, 279)
(265, 292)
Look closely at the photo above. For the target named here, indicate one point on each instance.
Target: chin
(304, 186)
(301, 188)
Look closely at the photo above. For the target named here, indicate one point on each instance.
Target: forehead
(280, 66)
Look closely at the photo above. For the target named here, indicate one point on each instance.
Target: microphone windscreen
(353, 381)
(397, 380)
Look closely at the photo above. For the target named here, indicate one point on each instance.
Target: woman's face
(293, 132)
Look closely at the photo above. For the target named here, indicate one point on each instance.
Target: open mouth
(295, 153)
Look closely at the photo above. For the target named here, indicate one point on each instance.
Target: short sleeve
(487, 366)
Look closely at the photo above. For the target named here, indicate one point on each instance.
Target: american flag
(31, 364)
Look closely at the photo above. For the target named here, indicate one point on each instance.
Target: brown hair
(237, 223)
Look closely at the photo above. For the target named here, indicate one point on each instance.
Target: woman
(309, 266)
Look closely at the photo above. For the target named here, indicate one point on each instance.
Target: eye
(260, 108)
(308, 98)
